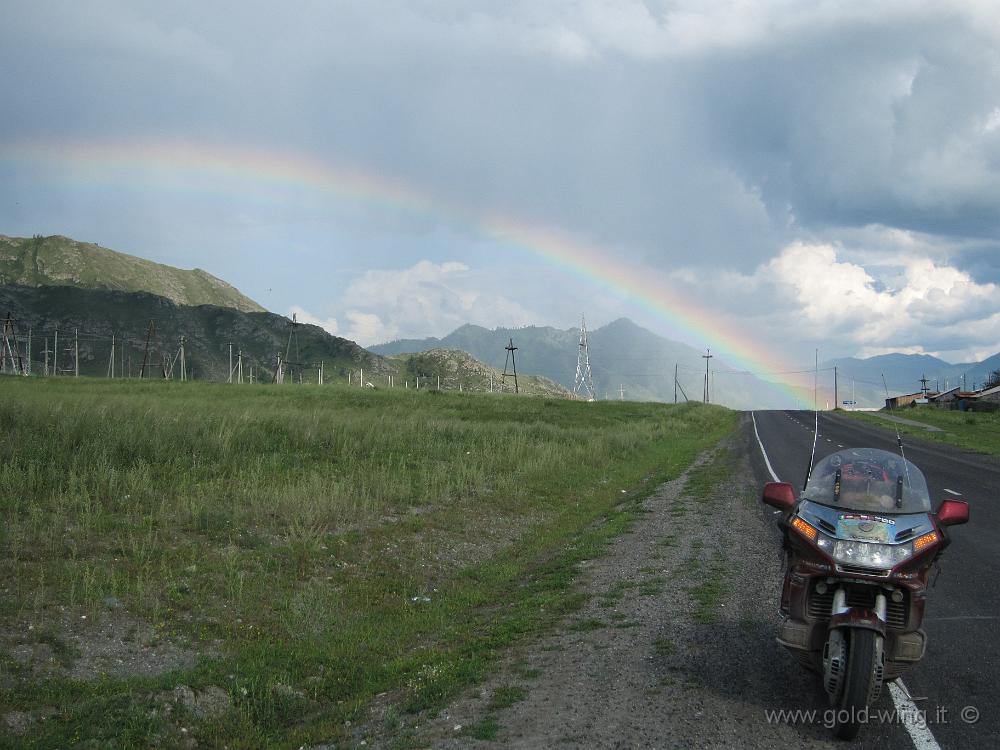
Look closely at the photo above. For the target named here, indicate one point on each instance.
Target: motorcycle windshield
(871, 480)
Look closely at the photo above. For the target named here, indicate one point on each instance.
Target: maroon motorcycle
(860, 543)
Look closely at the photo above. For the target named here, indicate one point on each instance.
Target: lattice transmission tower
(584, 378)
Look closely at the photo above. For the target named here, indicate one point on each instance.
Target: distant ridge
(61, 261)
(623, 356)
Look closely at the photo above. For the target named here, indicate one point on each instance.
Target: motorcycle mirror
(779, 495)
(953, 512)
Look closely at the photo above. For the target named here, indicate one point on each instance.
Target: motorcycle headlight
(869, 554)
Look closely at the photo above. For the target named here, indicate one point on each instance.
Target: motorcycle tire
(862, 649)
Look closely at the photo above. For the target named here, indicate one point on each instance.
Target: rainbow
(226, 170)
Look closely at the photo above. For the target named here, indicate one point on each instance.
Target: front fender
(858, 617)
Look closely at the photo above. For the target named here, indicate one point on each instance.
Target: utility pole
(923, 386)
(183, 363)
(707, 356)
(510, 359)
(816, 383)
(76, 352)
(293, 333)
(11, 349)
(230, 362)
(836, 403)
(4, 346)
(111, 360)
(55, 355)
(145, 351)
(621, 392)
(584, 378)
(239, 366)
(46, 371)
(675, 382)
(27, 368)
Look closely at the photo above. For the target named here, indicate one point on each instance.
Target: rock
(17, 722)
(183, 696)
(112, 602)
(22, 654)
(211, 703)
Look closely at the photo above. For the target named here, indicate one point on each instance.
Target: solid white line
(907, 710)
(762, 451)
(952, 492)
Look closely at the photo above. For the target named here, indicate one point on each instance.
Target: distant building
(908, 399)
(990, 394)
(945, 397)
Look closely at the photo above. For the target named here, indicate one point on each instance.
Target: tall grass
(330, 541)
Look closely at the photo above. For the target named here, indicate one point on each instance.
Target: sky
(771, 177)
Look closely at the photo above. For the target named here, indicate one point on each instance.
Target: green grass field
(250, 566)
(975, 431)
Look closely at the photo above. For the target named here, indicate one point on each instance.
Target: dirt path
(673, 648)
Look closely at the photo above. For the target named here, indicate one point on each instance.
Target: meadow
(977, 431)
(247, 566)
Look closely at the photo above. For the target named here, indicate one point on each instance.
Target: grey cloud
(674, 134)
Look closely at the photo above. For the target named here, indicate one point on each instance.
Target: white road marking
(952, 492)
(907, 710)
(839, 445)
(762, 451)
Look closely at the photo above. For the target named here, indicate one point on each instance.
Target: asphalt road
(962, 662)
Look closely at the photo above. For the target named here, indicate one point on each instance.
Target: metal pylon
(584, 379)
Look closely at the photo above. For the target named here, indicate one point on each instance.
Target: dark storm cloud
(650, 134)
(856, 124)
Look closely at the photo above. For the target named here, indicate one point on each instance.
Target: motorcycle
(860, 543)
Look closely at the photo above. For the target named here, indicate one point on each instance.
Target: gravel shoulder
(675, 645)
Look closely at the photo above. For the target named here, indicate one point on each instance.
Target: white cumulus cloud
(426, 298)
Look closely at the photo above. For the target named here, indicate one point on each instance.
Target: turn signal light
(805, 529)
(924, 541)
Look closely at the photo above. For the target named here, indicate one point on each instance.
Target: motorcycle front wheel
(863, 671)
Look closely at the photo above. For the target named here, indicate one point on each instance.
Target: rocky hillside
(60, 261)
(89, 317)
(460, 370)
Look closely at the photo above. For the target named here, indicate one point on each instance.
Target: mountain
(60, 261)
(88, 318)
(625, 359)
(459, 370)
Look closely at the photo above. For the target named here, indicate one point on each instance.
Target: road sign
(850, 403)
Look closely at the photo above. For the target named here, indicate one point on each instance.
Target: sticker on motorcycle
(863, 527)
